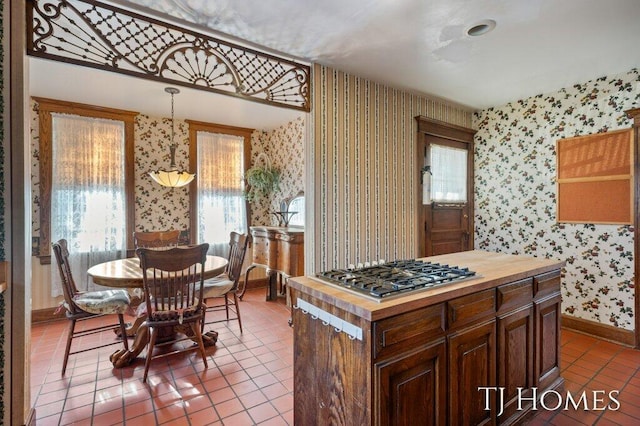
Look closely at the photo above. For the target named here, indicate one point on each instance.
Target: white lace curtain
(221, 202)
(87, 193)
(449, 169)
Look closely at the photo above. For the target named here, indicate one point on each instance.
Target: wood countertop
(492, 270)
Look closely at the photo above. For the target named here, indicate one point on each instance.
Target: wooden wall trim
(46, 315)
(635, 115)
(601, 331)
(443, 129)
(4, 275)
(45, 108)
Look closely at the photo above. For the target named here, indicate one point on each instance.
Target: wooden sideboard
(279, 251)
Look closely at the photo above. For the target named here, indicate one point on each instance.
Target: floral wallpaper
(285, 148)
(158, 207)
(515, 188)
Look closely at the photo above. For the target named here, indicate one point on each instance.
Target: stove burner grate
(394, 278)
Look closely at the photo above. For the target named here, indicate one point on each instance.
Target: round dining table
(126, 273)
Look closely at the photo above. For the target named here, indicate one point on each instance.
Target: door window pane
(449, 169)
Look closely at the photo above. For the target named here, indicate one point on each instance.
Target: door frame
(431, 127)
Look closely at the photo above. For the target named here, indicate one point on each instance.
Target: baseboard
(46, 315)
(258, 283)
(602, 331)
(31, 418)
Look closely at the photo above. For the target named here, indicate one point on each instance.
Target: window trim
(200, 126)
(45, 108)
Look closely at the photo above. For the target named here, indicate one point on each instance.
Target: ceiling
(537, 46)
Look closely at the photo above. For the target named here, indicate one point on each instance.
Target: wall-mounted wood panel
(595, 178)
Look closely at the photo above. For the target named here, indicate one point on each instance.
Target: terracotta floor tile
(275, 421)
(137, 409)
(252, 399)
(204, 417)
(108, 418)
(143, 420)
(240, 419)
(229, 408)
(221, 395)
(262, 412)
(198, 403)
(77, 414)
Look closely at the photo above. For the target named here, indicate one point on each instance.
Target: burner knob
(367, 264)
(360, 266)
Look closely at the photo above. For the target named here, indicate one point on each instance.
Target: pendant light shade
(172, 178)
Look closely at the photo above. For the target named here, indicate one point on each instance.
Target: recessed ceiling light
(481, 27)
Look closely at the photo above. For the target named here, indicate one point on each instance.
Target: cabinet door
(515, 361)
(472, 364)
(412, 387)
(547, 325)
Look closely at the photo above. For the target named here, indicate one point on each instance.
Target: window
(86, 182)
(449, 174)
(220, 156)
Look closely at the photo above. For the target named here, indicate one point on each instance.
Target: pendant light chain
(172, 123)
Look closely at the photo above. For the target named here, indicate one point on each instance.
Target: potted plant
(262, 178)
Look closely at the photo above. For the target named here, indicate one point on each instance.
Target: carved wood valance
(97, 35)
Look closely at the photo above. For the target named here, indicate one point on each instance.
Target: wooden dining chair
(173, 287)
(156, 239)
(82, 306)
(227, 284)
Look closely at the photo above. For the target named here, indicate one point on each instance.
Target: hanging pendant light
(173, 177)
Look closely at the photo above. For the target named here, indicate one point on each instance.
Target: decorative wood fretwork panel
(97, 35)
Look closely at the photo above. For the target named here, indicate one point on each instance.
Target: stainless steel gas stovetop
(395, 278)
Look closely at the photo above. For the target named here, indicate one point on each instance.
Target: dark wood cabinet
(516, 355)
(413, 386)
(472, 365)
(423, 358)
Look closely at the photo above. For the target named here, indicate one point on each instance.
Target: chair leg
(196, 330)
(235, 300)
(72, 326)
(226, 305)
(152, 342)
(204, 316)
(123, 331)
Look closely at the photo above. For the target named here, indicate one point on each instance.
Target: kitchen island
(428, 356)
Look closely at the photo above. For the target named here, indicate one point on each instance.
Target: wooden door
(447, 229)
(443, 226)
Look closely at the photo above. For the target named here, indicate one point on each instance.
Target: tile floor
(250, 379)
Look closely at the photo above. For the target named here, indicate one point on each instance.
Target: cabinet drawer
(407, 331)
(514, 295)
(468, 309)
(546, 284)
